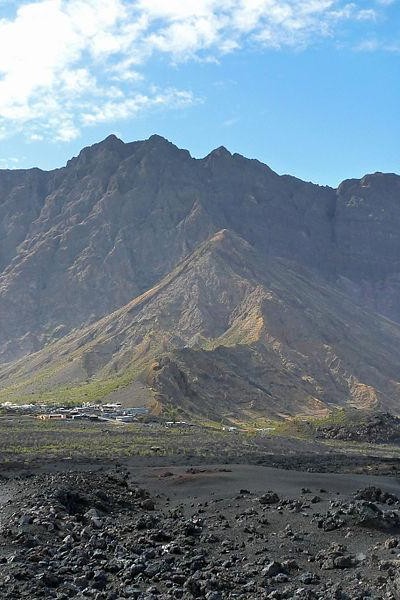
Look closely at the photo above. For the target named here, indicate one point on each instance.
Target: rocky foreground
(99, 535)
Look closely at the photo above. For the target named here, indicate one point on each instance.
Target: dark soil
(198, 531)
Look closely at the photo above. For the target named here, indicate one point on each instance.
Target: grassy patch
(26, 437)
(70, 395)
(296, 427)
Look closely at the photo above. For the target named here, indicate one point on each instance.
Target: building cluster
(89, 412)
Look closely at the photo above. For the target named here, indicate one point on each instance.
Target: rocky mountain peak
(110, 149)
(219, 153)
(227, 241)
(162, 148)
(110, 144)
(82, 241)
(158, 140)
(111, 141)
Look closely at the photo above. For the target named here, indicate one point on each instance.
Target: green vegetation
(70, 395)
(301, 427)
(30, 438)
(364, 448)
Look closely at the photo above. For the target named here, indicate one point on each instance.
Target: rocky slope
(200, 533)
(79, 242)
(230, 333)
(214, 284)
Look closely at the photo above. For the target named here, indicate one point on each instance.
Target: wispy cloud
(9, 163)
(68, 64)
(128, 107)
(376, 45)
(230, 122)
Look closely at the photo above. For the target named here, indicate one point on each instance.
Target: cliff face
(367, 241)
(79, 242)
(227, 332)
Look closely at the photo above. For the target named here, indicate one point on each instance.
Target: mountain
(139, 272)
(79, 242)
(230, 333)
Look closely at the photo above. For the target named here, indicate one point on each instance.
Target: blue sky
(310, 87)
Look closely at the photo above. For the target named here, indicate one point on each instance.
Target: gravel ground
(210, 531)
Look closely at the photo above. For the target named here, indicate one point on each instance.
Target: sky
(310, 87)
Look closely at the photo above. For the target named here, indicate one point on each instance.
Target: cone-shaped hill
(227, 332)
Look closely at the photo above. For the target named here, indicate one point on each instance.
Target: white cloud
(375, 45)
(230, 122)
(129, 107)
(9, 163)
(67, 64)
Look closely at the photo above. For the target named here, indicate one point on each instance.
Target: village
(115, 412)
(89, 412)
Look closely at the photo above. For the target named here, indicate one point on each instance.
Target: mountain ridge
(225, 332)
(118, 226)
